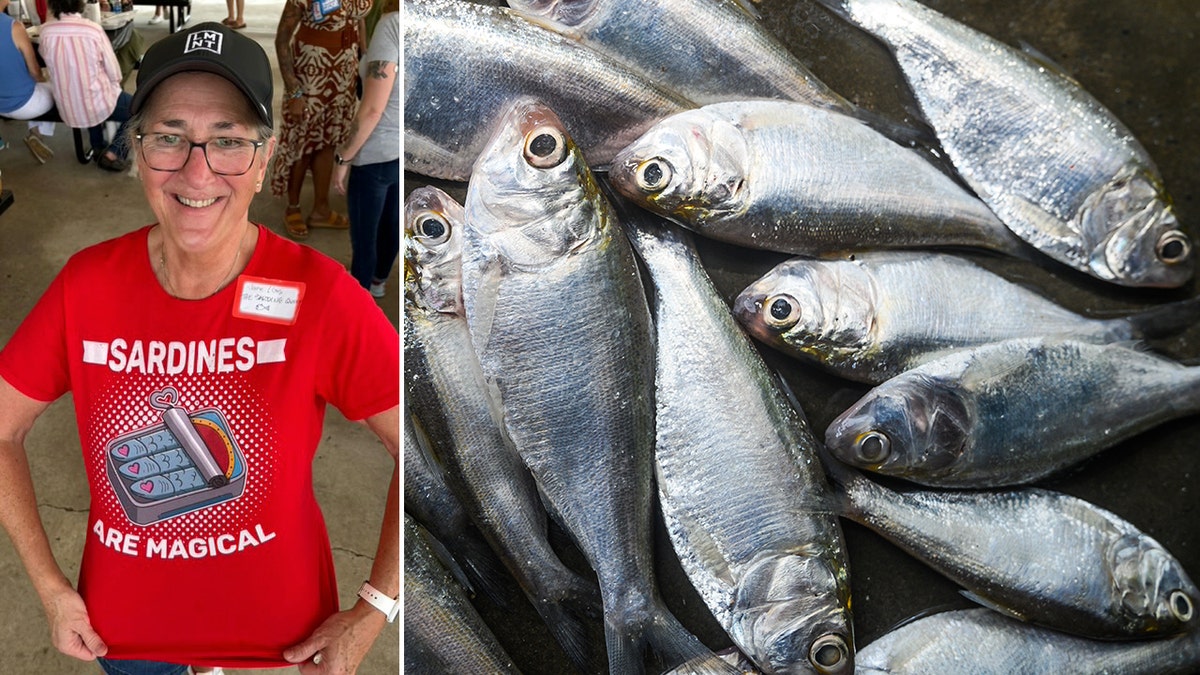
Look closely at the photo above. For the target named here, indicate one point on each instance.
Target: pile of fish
(572, 367)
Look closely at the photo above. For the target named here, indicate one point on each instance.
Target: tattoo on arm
(283, 44)
(377, 70)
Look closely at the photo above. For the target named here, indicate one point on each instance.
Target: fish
(1011, 412)
(707, 50)
(465, 63)
(1037, 555)
(795, 178)
(443, 633)
(1048, 158)
(445, 387)
(983, 642)
(877, 314)
(560, 324)
(742, 492)
(429, 499)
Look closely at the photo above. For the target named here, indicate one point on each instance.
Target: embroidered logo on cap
(209, 40)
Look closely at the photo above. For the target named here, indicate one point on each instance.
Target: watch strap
(389, 606)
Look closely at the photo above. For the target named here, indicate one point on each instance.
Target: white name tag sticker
(270, 300)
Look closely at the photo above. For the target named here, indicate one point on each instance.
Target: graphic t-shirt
(198, 421)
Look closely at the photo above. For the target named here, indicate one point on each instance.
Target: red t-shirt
(198, 421)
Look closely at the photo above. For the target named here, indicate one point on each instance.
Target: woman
(24, 92)
(317, 43)
(86, 79)
(200, 352)
(371, 157)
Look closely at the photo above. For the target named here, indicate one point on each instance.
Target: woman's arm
(289, 21)
(70, 628)
(25, 46)
(345, 638)
(377, 89)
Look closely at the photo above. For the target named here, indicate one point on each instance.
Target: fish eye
(1173, 247)
(1181, 606)
(828, 653)
(653, 175)
(431, 228)
(873, 447)
(545, 147)
(783, 312)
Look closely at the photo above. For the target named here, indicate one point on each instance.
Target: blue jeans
(128, 667)
(373, 206)
(120, 144)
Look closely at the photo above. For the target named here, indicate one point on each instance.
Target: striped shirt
(83, 70)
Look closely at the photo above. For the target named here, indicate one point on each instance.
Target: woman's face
(197, 208)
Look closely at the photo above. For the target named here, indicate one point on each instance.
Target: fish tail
(567, 616)
(1165, 320)
(659, 630)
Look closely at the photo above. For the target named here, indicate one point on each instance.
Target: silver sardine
(983, 642)
(791, 177)
(445, 387)
(465, 64)
(1052, 162)
(1041, 556)
(442, 631)
(1011, 412)
(742, 492)
(559, 320)
(881, 313)
(707, 50)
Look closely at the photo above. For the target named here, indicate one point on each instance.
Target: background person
(86, 80)
(371, 159)
(318, 45)
(209, 322)
(24, 92)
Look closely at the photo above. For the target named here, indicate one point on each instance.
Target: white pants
(41, 101)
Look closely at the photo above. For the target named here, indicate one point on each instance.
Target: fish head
(691, 167)
(913, 423)
(1138, 241)
(820, 309)
(1156, 593)
(532, 201)
(791, 614)
(433, 251)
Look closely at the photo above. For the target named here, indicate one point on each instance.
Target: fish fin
(480, 564)
(704, 546)
(1165, 320)
(557, 26)
(675, 645)
(993, 606)
(442, 553)
(733, 661)
(1039, 57)
(567, 617)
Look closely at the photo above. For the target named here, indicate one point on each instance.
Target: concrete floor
(62, 207)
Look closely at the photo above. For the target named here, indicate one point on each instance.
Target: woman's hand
(295, 107)
(341, 642)
(70, 629)
(340, 171)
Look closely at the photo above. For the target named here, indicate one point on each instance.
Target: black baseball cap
(213, 48)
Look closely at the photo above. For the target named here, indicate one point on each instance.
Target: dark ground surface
(1139, 59)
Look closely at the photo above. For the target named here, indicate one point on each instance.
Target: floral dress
(326, 56)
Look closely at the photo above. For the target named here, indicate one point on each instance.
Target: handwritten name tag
(269, 300)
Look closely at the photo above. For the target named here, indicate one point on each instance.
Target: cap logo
(208, 40)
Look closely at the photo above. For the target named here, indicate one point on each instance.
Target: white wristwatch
(389, 606)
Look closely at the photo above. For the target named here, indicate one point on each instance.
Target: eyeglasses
(225, 156)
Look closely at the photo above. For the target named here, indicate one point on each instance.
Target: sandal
(293, 221)
(333, 221)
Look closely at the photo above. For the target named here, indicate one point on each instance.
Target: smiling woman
(201, 352)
